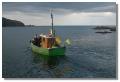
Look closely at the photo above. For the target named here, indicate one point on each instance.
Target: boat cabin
(47, 41)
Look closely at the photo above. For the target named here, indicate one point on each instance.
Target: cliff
(8, 22)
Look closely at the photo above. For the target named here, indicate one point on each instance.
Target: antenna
(52, 23)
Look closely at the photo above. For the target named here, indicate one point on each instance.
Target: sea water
(90, 55)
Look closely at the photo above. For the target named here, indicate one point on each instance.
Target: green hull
(58, 51)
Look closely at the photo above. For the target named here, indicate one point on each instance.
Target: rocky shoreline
(105, 29)
(111, 28)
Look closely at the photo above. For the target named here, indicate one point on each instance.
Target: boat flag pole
(53, 33)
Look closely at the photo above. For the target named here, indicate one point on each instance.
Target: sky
(64, 13)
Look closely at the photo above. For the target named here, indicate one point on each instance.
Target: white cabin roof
(46, 36)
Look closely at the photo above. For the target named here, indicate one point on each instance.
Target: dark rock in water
(101, 27)
(110, 28)
(113, 29)
(8, 22)
(104, 32)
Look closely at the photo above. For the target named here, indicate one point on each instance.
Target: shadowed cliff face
(8, 22)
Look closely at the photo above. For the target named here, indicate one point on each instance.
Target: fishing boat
(48, 45)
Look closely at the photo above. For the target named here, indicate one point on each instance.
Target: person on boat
(39, 41)
(50, 34)
(57, 41)
(36, 40)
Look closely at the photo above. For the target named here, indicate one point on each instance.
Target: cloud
(45, 6)
(65, 13)
(90, 18)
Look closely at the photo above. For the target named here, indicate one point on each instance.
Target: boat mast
(53, 32)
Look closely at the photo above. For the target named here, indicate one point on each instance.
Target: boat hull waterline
(57, 51)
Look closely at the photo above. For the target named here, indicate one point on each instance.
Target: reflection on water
(50, 66)
(49, 62)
